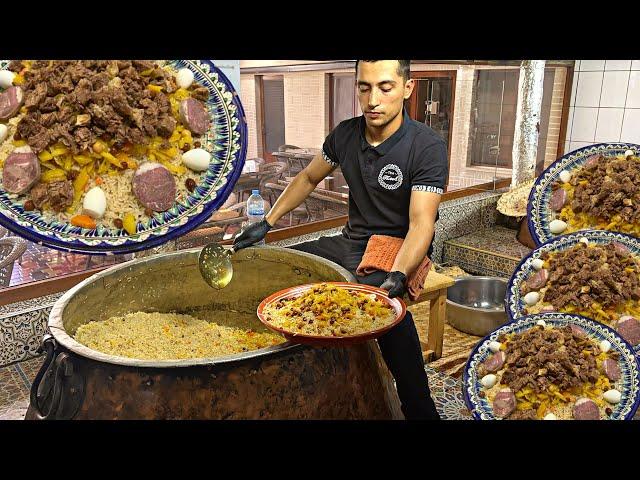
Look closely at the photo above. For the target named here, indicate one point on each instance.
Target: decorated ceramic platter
(595, 187)
(519, 372)
(115, 156)
(594, 273)
(331, 313)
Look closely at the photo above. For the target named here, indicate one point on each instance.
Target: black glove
(251, 235)
(395, 284)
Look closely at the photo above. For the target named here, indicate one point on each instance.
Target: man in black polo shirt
(396, 170)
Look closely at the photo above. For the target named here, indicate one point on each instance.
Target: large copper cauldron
(285, 381)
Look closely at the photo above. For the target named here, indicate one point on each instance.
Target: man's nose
(374, 98)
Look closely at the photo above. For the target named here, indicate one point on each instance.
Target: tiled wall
(605, 103)
(248, 99)
(304, 109)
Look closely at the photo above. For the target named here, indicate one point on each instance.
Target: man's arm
(422, 217)
(299, 189)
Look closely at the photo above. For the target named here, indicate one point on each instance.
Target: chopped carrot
(99, 181)
(84, 221)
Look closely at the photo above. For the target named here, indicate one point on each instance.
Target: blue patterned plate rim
(569, 161)
(599, 330)
(237, 128)
(512, 305)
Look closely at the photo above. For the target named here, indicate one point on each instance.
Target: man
(396, 169)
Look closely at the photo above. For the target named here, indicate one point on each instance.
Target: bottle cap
(255, 192)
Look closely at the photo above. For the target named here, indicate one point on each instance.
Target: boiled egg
(4, 131)
(629, 153)
(6, 78)
(612, 396)
(494, 346)
(488, 381)
(550, 416)
(538, 263)
(565, 176)
(605, 345)
(196, 159)
(184, 78)
(542, 323)
(94, 203)
(557, 226)
(531, 298)
(584, 240)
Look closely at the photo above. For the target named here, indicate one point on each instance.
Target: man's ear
(408, 87)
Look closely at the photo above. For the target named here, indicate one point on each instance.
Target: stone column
(525, 139)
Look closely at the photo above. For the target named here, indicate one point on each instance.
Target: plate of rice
(115, 156)
(593, 273)
(592, 188)
(331, 313)
(552, 366)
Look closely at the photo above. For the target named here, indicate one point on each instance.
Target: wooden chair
(435, 292)
(11, 249)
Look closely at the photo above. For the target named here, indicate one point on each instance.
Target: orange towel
(380, 254)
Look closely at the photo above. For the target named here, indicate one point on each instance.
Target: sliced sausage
(621, 249)
(538, 280)
(194, 116)
(154, 186)
(586, 409)
(504, 403)
(558, 199)
(629, 328)
(10, 102)
(495, 362)
(592, 161)
(611, 369)
(21, 170)
(578, 332)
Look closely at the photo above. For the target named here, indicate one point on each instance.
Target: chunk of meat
(154, 186)
(10, 102)
(39, 194)
(21, 171)
(194, 116)
(586, 409)
(504, 403)
(60, 195)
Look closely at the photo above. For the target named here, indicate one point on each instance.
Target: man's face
(381, 91)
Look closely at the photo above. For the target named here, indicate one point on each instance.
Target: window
(493, 116)
(343, 101)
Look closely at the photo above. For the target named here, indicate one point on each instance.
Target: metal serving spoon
(215, 266)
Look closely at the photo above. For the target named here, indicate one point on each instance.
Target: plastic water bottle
(255, 209)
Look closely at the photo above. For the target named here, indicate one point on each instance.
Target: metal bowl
(475, 305)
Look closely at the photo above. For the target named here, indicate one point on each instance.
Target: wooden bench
(435, 292)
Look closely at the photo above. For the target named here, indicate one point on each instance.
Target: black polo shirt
(381, 178)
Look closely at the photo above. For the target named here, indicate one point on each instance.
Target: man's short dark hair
(403, 67)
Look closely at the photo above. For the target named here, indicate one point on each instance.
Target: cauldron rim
(56, 325)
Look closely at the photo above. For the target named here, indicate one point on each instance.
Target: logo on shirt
(390, 177)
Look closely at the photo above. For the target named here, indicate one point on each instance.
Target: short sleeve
(430, 169)
(329, 152)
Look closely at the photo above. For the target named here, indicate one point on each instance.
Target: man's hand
(251, 235)
(395, 284)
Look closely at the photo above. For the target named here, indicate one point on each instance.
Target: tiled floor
(15, 382)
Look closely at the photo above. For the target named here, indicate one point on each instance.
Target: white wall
(605, 103)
